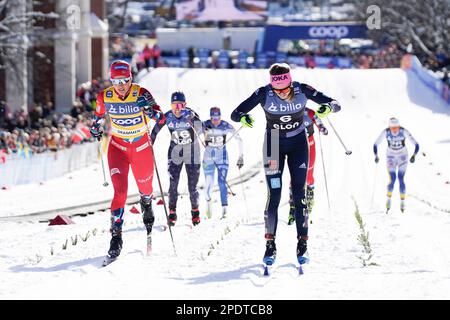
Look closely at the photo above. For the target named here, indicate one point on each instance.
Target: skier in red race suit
(127, 104)
(310, 118)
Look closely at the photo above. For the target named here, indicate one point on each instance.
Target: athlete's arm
(412, 140)
(159, 115)
(258, 97)
(378, 141)
(158, 126)
(319, 98)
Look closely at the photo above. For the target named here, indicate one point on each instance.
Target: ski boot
(195, 216)
(172, 217)
(402, 202)
(388, 205)
(291, 216)
(115, 245)
(271, 252)
(224, 212)
(148, 218)
(301, 249)
(208, 209)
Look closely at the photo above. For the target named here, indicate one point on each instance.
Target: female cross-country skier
(396, 158)
(216, 157)
(310, 119)
(283, 102)
(183, 149)
(127, 104)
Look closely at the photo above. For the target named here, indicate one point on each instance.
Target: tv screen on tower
(221, 10)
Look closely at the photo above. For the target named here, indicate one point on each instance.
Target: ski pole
(105, 183)
(217, 167)
(159, 182)
(232, 136)
(347, 152)
(243, 194)
(324, 172)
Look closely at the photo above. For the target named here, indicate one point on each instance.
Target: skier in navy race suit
(284, 102)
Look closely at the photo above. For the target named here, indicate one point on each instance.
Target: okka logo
(280, 77)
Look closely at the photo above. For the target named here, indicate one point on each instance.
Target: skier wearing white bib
(396, 157)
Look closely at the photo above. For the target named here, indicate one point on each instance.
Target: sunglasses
(215, 118)
(285, 90)
(178, 105)
(120, 81)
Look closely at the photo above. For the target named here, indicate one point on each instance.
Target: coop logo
(127, 122)
(328, 32)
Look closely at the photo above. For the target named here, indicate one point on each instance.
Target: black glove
(413, 158)
(96, 132)
(377, 159)
(146, 104)
(240, 162)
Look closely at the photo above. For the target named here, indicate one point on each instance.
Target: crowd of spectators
(388, 56)
(42, 129)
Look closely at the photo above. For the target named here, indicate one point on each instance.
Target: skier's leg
(273, 160)
(402, 166)
(391, 162)
(208, 170)
(312, 160)
(291, 216)
(118, 161)
(193, 174)
(401, 179)
(174, 177)
(143, 170)
(298, 167)
(222, 177)
(174, 170)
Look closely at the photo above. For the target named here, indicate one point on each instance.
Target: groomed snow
(221, 259)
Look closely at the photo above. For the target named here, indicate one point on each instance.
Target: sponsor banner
(274, 33)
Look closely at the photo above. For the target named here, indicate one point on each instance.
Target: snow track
(222, 259)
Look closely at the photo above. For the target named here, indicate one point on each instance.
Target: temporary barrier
(44, 166)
